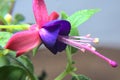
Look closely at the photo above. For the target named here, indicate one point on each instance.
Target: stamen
(84, 39)
(82, 49)
(86, 47)
(88, 35)
(96, 40)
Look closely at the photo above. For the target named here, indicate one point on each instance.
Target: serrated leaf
(12, 73)
(81, 16)
(4, 37)
(80, 77)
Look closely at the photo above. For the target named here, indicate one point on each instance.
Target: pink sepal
(54, 15)
(40, 12)
(23, 41)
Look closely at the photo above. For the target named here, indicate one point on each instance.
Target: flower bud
(8, 18)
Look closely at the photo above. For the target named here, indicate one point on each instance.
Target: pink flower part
(40, 12)
(54, 15)
(84, 45)
(23, 41)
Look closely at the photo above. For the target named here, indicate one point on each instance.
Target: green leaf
(3, 52)
(73, 32)
(4, 6)
(12, 73)
(35, 51)
(80, 77)
(4, 37)
(26, 62)
(19, 17)
(4, 61)
(22, 62)
(2, 20)
(81, 16)
(64, 15)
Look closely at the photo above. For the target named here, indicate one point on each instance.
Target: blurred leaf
(35, 51)
(4, 7)
(26, 62)
(19, 17)
(81, 16)
(80, 77)
(3, 52)
(73, 32)
(15, 28)
(2, 20)
(4, 37)
(43, 75)
(64, 15)
(12, 73)
(22, 62)
(3, 61)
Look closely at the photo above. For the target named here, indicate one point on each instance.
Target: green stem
(61, 76)
(69, 67)
(69, 56)
(17, 27)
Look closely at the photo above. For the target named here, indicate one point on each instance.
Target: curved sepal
(23, 41)
(40, 12)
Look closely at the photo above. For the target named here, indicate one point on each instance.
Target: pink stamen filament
(80, 46)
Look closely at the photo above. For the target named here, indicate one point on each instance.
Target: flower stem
(61, 76)
(15, 27)
(69, 66)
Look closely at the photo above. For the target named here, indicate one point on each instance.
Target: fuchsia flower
(52, 33)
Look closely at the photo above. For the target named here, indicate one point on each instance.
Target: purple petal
(48, 37)
(50, 32)
(64, 31)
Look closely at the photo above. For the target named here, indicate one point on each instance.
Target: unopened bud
(8, 18)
